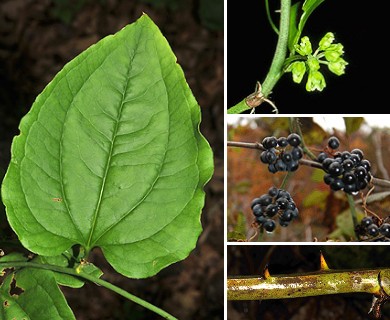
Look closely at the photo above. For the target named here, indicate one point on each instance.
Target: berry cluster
(282, 154)
(275, 203)
(347, 171)
(371, 227)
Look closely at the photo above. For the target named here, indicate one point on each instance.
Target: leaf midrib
(108, 165)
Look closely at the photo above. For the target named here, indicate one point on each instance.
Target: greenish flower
(334, 52)
(313, 63)
(326, 41)
(328, 53)
(298, 69)
(338, 66)
(315, 81)
(304, 48)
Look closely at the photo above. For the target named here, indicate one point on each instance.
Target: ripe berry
(297, 153)
(277, 202)
(294, 139)
(257, 210)
(333, 143)
(335, 169)
(282, 142)
(366, 221)
(269, 225)
(385, 229)
(273, 191)
(373, 230)
(269, 142)
(321, 157)
(359, 153)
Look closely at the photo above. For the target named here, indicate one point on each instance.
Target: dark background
(37, 38)
(361, 28)
(293, 259)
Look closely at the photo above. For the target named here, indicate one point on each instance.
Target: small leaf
(66, 279)
(110, 155)
(33, 294)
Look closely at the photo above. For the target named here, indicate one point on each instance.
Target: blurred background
(292, 259)
(324, 215)
(37, 38)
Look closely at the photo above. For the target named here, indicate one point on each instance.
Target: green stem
(98, 281)
(307, 285)
(352, 208)
(276, 70)
(296, 127)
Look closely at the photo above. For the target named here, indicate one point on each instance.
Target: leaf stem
(276, 69)
(98, 281)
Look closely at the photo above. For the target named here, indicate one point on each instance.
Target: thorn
(323, 264)
(374, 299)
(266, 274)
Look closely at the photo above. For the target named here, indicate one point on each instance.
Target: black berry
(333, 143)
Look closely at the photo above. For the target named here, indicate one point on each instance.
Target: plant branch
(304, 285)
(256, 145)
(352, 208)
(276, 69)
(98, 281)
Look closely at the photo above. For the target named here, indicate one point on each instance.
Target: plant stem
(306, 285)
(276, 69)
(315, 164)
(296, 127)
(353, 212)
(98, 281)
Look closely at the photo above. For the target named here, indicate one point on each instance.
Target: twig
(379, 156)
(256, 145)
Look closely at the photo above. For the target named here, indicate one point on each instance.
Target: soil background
(37, 38)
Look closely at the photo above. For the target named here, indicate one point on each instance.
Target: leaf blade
(111, 155)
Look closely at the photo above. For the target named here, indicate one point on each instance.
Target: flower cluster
(328, 53)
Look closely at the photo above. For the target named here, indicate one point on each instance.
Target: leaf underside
(110, 155)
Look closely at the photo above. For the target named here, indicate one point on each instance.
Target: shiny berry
(333, 143)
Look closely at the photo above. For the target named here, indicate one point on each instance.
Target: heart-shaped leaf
(110, 155)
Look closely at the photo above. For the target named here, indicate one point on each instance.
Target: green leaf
(308, 7)
(293, 26)
(316, 197)
(64, 261)
(352, 124)
(110, 155)
(345, 229)
(19, 289)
